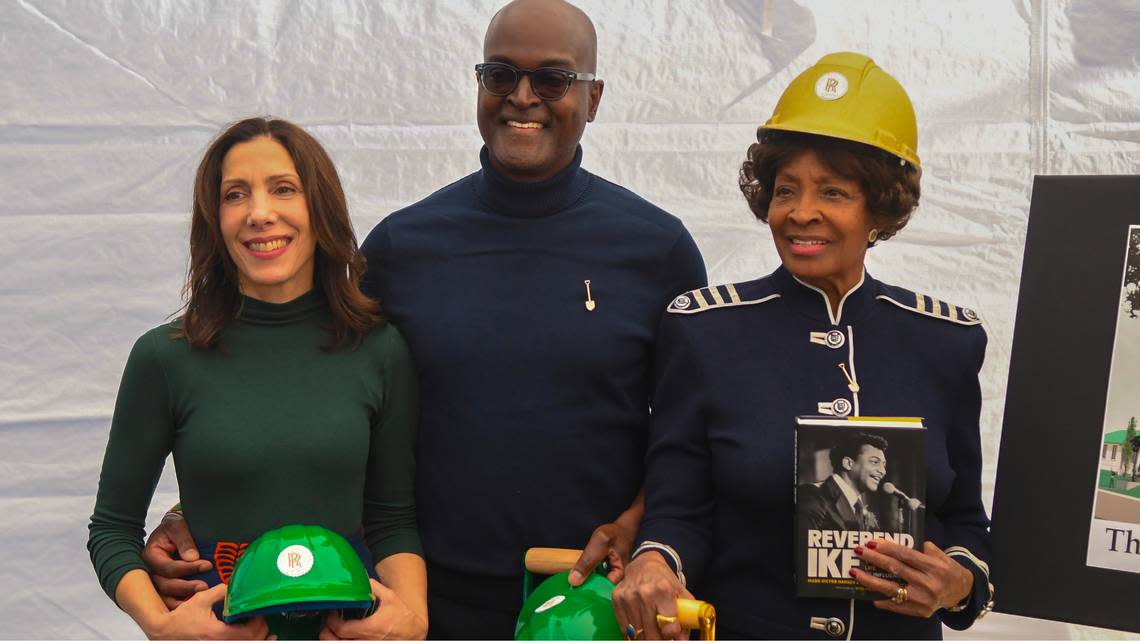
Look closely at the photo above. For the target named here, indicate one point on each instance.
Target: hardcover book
(858, 478)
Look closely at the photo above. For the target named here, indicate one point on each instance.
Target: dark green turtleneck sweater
(267, 430)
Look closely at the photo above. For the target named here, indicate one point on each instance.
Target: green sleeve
(142, 432)
(389, 489)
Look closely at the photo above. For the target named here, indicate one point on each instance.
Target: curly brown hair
(212, 295)
(891, 186)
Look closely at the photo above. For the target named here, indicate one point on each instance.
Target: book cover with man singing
(857, 479)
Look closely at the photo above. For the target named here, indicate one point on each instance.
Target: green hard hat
(555, 610)
(294, 569)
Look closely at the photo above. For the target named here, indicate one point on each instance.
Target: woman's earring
(872, 237)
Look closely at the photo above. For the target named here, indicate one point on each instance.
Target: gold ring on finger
(900, 596)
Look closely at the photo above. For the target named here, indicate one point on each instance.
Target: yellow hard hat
(846, 95)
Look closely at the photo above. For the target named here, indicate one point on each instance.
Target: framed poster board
(1066, 514)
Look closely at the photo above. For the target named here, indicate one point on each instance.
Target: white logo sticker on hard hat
(295, 560)
(831, 86)
(550, 603)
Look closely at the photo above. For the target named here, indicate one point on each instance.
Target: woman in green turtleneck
(281, 393)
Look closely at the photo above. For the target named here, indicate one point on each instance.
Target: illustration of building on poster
(1114, 533)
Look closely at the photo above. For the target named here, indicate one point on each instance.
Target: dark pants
(472, 606)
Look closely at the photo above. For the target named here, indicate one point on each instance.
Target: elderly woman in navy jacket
(835, 172)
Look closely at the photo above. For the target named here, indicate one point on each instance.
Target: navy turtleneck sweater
(535, 386)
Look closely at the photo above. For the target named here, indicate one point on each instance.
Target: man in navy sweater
(529, 293)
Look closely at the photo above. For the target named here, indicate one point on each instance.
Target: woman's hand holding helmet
(934, 580)
(195, 619)
(392, 620)
(650, 588)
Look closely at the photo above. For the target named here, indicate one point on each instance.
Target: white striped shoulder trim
(934, 308)
(712, 297)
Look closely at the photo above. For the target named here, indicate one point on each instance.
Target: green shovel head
(557, 611)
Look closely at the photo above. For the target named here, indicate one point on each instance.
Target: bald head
(549, 21)
(530, 138)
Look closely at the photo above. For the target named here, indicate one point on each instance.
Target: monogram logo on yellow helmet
(831, 86)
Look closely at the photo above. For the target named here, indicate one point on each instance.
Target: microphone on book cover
(890, 488)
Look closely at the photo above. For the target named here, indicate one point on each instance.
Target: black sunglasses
(548, 83)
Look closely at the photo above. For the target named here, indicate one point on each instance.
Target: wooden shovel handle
(551, 560)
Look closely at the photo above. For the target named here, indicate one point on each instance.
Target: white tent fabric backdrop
(106, 107)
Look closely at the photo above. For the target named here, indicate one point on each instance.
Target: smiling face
(866, 471)
(529, 139)
(820, 224)
(264, 219)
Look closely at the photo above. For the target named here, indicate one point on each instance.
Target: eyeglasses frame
(572, 77)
